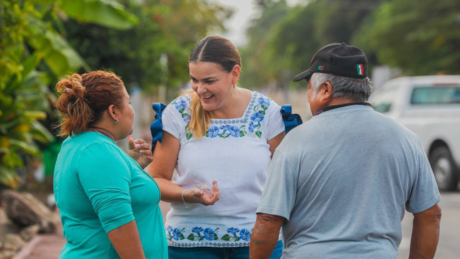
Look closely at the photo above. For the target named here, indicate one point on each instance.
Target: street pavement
(449, 241)
(49, 246)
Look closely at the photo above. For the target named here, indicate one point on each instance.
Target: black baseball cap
(338, 59)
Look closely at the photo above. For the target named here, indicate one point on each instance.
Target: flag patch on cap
(321, 68)
(360, 69)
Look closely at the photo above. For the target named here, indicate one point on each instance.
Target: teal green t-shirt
(98, 188)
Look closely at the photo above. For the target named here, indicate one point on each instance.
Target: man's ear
(326, 88)
(325, 94)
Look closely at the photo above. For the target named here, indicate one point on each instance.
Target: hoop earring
(116, 122)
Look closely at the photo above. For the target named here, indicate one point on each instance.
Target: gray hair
(354, 88)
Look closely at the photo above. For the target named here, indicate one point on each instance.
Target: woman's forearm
(170, 192)
(126, 241)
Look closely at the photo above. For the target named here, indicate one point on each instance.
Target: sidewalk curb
(28, 248)
(42, 246)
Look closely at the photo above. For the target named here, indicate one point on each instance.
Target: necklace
(107, 135)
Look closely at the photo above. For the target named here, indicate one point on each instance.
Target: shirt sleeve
(106, 179)
(172, 121)
(279, 195)
(275, 122)
(424, 190)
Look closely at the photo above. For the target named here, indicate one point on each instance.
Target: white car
(430, 107)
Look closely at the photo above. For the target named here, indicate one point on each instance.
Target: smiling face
(212, 84)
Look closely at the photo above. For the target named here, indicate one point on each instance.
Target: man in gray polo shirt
(339, 184)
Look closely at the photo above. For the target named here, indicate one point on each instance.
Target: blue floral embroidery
(233, 231)
(187, 118)
(181, 104)
(245, 234)
(233, 235)
(213, 132)
(225, 129)
(196, 234)
(252, 126)
(252, 129)
(257, 117)
(264, 101)
(234, 131)
(175, 233)
(209, 234)
(197, 230)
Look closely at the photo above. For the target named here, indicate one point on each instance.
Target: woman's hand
(196, 195)
(140, 151)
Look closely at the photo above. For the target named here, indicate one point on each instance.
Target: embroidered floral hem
(208, 244)
(207, 237)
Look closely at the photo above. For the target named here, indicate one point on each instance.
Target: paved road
(449, 242)
(49, 246)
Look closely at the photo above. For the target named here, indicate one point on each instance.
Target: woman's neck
(103, 131)
(233, 107)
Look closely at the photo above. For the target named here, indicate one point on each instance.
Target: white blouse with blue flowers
(235, 153)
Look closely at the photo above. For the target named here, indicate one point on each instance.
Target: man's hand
(265, 235)
(425, 233)
(140, 151)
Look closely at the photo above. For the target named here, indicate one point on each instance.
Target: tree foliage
(155, 52)
(418, 37)
(32, 54)
(257, 56)
(146, 42)
(284, 39)
(339, 20)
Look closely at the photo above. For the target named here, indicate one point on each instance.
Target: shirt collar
(332, 107)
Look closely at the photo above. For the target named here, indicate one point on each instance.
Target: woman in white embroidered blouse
(220, 134)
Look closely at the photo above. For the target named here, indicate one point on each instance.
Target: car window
(382, 101)
(436, 95)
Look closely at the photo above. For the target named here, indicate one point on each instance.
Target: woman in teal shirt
(107, 202)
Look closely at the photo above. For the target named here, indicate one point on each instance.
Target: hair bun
(84, 99)
(72, 86)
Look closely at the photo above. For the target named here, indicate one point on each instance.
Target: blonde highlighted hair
(217, 50)
(200, 118)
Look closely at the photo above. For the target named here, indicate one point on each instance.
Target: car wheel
(444, 169)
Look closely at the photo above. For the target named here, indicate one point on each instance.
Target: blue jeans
(218, 253)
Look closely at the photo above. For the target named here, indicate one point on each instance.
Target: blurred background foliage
(155, 51)
(147, 43)
(33, 55)
(42, 41)
(418, 37)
